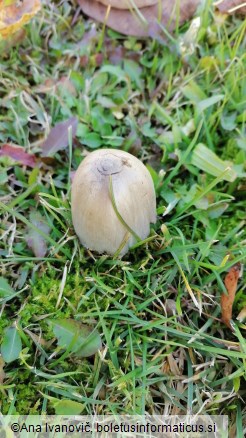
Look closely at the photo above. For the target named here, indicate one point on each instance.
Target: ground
(172, 103)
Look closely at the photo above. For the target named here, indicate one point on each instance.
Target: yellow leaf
(14, 14)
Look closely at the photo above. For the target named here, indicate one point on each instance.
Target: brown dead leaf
(145, 23)
(34, 239)
(58, 137)
(231, 6)
(18, 153)
(226, 301)
(14, 14)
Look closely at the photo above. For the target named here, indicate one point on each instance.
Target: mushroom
(113, 201)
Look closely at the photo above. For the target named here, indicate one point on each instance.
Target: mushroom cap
(94, 218)
(128, 4)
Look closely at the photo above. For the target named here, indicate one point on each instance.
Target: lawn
(157, 342)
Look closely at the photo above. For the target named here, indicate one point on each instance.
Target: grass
(164, 347)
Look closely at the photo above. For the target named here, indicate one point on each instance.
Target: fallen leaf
(58, 137)
(227, 300)
(82, 340)
(5, 289)
(34, 240)
(145, 21)
(14, 14)
(67, 407)
(18, 153)
(231, 6)
(7, 293)
(11, 345)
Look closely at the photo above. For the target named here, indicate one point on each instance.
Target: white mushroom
(113, 201)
